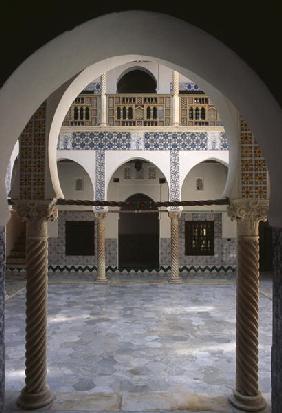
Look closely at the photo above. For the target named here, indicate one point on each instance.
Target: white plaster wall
(214, 178)
(68, 173)
(189, 159)
(84, 158)
(114, 159)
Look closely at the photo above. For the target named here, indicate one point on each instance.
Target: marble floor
(138, 346)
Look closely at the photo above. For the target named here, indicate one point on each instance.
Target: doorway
(139, 237)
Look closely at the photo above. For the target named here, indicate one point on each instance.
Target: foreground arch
(244, 89)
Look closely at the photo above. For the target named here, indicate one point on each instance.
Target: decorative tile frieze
(100, 141)
(181, 141)
(139, 140)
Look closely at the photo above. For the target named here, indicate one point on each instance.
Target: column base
(175, 280)
(102, 281)
(32, 401)
(247, 403)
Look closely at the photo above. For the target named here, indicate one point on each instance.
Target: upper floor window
(138, 80)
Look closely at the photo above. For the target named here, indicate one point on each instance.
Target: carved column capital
(248, 213)
(174, 214)
(101, 215)
(37, 210)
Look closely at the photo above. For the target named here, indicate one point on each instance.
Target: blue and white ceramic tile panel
(181, 141)
(101, 141)
(2, 317)
(149, 141)
(100, 176)
(174, 194)
(224, 144)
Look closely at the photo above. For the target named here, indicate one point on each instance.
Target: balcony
(142, 110)
(139, 110)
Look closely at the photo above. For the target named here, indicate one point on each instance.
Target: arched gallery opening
(180, 150)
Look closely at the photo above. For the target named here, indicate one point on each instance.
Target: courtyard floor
(138, 346)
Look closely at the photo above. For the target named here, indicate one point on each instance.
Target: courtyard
(138, 346)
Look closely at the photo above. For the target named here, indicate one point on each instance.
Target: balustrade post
(248, 214)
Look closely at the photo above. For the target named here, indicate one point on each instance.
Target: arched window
(199, 184)
(191, 113)
(81, 113)
(75, 113)
(124, 112)
(148, 112)
(130, 113)
(137, 81)
(203, 113)
(118, 113)
(155, 113)
(87, 113)
(197, 113)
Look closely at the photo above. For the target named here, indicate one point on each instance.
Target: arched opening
(138, 237)
(137, 81)
(236, 98)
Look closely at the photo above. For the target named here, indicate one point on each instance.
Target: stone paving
(142, 346)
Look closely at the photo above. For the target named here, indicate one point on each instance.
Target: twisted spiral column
(174, 238)
(247, 396)
(36, 393)
(101, 256)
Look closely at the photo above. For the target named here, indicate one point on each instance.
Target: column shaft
(103, 100)
(36, 393)
(175, 98)
(101, 256)
(276, 354)
(174, 237)
(2, 318)
(247, 316)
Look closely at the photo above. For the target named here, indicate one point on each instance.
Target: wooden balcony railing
(198, 111)
(139, 110)
(142, 110)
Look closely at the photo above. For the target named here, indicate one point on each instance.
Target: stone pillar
(101, 256)
(36, 393)
(248, 214)
(103, 100)
(2, 317)
(175, 98)
(276, 349)
(174, 239)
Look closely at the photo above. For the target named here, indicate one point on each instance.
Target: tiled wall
(224, 249)
(56, 251)
(57, 245)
